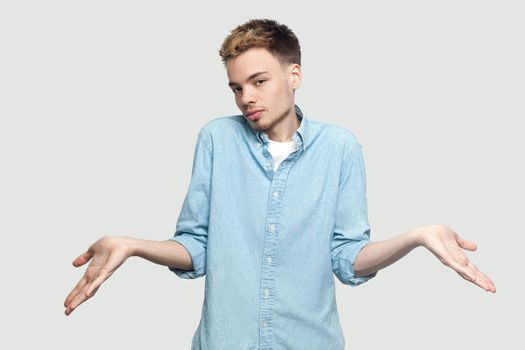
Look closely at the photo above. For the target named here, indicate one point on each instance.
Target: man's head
(266, 33)
(262, 59)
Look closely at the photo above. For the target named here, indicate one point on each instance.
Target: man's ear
(295, 76)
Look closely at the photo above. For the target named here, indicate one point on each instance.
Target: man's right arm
(108, 253)
(168, 253)
(184, 254)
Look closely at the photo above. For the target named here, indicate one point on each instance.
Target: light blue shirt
(270, 242)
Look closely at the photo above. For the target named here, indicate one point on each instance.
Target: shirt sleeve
(352, 230)
(192, 225)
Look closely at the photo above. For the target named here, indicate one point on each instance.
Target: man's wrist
(131, 245)
(416, 237)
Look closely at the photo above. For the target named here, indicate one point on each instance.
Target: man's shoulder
(334, 133)
(223, 124)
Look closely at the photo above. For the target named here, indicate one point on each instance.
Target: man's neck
(285, 130)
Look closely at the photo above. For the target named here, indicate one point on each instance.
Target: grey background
(100, 104)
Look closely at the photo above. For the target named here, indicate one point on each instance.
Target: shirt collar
(301, 135)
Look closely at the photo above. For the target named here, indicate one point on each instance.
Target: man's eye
(260, 81)
(236, 89)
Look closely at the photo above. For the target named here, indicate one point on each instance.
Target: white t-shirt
(279, 151)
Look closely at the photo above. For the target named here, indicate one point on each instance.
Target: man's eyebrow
(256, 74)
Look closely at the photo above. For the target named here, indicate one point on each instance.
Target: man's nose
(248, 96)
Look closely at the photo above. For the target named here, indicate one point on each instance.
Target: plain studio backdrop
(100, 105)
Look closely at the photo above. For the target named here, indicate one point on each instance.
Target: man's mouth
(254, 114)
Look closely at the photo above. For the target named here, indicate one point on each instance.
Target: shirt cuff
(197, 254)
(345, 265)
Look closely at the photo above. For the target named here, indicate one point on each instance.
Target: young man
(276, 205)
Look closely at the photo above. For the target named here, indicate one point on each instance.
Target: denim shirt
(270, 242)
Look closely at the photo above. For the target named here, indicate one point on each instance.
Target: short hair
(266, 33)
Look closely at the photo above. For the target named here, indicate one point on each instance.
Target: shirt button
(272, 227)
(266, 292)
(276, 194)
(269, 259)
(258, 145)
(265, 324)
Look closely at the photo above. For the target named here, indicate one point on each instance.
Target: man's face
(263, 88)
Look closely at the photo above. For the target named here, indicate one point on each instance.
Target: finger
(88, 291)
(476, 276)
(487, 282)
(79, 298)
(75, 291)
(463, 243)
(75, 296)
(68, 311)
(464, 271)
(483, 282)
(92, 289)
(82, 259)
(492, 284)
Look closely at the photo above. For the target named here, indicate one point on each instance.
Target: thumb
(82, 259)
(463, 243)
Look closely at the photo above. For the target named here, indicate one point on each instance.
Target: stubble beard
(259, 124)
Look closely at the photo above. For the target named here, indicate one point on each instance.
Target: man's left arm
(441, 240)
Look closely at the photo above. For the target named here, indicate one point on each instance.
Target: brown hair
(266, 33)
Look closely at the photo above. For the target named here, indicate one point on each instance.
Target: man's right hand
(106, 255)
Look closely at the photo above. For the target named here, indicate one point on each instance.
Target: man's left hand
(448, 247)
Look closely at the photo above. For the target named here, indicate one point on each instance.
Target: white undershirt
(279, 151)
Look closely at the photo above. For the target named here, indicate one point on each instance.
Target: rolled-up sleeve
(192, 224)
(352, 230)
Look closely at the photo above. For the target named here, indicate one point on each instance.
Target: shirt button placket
(268, 291)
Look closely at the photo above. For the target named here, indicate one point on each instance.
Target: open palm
(106, 255)
(448, 247)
